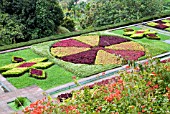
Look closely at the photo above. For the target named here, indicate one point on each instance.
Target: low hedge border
(62, 36)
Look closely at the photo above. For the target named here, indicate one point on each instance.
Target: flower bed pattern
(97, 50)
(17, 69)
(163, 24)
(138, 34)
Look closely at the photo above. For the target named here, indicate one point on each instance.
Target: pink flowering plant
(143, 88)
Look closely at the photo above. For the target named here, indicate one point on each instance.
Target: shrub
(62, 30)
(69, 24)
(19, 101)
(143, 89)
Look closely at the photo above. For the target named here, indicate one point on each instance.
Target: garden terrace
(83, 56)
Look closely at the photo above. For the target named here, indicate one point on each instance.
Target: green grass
(6, 58)
(55, 74)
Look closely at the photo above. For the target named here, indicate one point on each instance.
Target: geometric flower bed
(97, 50)
(16, 69)
(163, 24)
(138, 34)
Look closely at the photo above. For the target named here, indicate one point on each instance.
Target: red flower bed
(70, 43)
(127, 54)
(36, 72)
(87, 57)
(161, 26)
(27, 64)
(159, 21)
(110, 40)
(139, 32)
(165, 61)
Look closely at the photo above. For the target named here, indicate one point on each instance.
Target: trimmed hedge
(62, 36)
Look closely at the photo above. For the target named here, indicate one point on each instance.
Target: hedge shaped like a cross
(20, 66)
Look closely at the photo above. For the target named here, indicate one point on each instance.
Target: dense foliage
(29, 19)
(142, 89)
(95, 13)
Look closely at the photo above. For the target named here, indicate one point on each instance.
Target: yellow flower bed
(64, 51)
(91, 40)
(104, 57)
(127, 46)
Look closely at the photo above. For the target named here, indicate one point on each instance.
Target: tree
(40, 17)
(10, 30)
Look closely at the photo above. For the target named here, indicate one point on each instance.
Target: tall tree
(40, 17)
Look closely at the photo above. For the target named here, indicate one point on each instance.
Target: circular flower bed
(97, 50)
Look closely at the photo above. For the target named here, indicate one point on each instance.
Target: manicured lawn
(55, 74)
(6, 58)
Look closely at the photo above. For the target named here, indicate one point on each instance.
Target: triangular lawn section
(104, 57)
(127, 46)
(90, 40)
(87, 57)
(65, 51)
(70, 43)
(110, 40)
(127, 54)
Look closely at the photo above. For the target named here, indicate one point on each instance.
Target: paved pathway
(33, 93)
(16, 49)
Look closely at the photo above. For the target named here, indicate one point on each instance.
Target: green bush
(69, 23)
(10, 30)
(19, 101)
(62, 30)
(39, 17)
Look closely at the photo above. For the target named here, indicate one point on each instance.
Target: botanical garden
(85, 57)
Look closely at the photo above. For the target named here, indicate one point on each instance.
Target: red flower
(143, 106)
(156, 86)
(146, 63)
(127, 67)
(149, 83)
(73, 77)
(153, 73)
(167, 88)
(120, 81)
(143, 110)
(99, 108)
